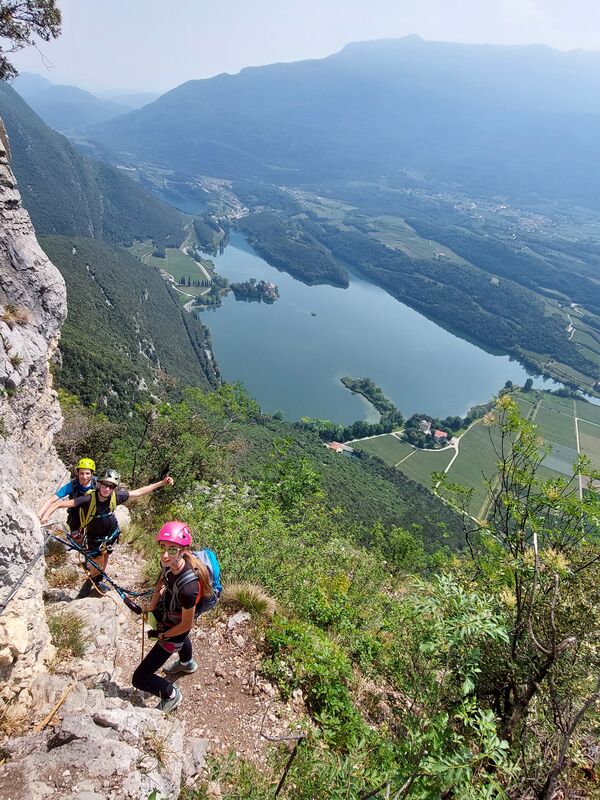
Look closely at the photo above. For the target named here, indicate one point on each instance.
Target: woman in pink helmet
(183, 582)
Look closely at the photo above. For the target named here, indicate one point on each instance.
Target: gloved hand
(153, 634)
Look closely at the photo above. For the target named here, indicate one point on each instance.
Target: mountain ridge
(455, 112)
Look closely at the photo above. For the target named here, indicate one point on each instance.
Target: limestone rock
(196, 750)
(121, 752)
(32, 308)
(237, 619)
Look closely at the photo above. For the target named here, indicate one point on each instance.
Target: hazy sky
(157, 44)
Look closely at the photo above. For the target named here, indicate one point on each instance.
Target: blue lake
(291, 355)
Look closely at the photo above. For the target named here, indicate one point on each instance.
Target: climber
(83, 483)
(99, 524)
(183, 582)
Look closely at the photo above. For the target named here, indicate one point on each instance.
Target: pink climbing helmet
(175, 532)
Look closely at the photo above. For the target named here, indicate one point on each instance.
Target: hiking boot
(178, 668)
(172, 703)
(85, 590)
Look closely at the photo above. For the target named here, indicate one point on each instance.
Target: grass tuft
(65, 577)
(56, 554)
(158, 747)
(13, 720)
(249, 597)
(67, 631)
(59, 572)
(14, 315)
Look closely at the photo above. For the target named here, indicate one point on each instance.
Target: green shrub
(303, 657)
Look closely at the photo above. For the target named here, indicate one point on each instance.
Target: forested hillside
(287, 245)
(386, 155)
(126, 334)
(363, 488)
(413, 668)
(69, 194)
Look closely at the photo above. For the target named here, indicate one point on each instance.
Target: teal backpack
(211, 562)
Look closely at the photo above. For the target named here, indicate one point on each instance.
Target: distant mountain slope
(66, 193)
(69, 109)
(126, 334)
(29, 83)
(133, 99)
(510, 120)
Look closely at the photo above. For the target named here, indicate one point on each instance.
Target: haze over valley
(460, 178)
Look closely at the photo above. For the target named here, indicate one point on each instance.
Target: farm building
(338, 447)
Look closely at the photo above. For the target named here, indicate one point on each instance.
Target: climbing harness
(87, 514)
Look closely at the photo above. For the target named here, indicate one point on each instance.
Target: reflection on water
(291, 355)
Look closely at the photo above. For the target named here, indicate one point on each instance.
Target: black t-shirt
(104, 522)
(187, 595)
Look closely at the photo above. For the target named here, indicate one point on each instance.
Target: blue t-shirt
(69, 488)
(74, 489)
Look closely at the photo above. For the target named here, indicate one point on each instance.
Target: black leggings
(144, 677)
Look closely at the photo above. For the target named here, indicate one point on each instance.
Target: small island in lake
(252, 289)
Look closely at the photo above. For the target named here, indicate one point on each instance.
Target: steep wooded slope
(68, 194)
(125, 331)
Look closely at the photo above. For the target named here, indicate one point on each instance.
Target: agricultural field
(556, 427)
(395, 233)
(564, 404)
(589, 441)
(389, 448)
(568, 426)
(423, 463)
(591, 345)
(588, 412)
(391, 231)
(476, 463)
(177, 263)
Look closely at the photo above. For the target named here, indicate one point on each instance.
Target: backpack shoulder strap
(184, 580)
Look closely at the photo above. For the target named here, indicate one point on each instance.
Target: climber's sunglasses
(110, 486)
(170, 549)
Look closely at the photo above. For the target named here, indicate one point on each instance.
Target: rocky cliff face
(101, 746)
(33, 305)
